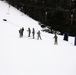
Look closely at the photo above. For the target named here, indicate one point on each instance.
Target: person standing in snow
(21, 32)
(39, 35)
(33, 33)
(29, 32)
(56, 41)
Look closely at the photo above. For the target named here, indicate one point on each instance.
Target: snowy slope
(27, 56)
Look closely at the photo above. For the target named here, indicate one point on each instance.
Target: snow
(27, 56)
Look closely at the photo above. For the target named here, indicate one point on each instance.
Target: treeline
(60, 15)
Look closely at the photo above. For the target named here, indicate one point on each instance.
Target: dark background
(60, 15)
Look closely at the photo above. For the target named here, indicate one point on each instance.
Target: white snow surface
(27, 56)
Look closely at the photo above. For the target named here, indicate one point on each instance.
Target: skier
(55, 42)
(29, 32)
(21, 32)
(33, 33)
(39, 36)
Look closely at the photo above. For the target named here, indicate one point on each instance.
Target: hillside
(27, 56)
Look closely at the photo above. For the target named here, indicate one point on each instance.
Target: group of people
(29, 33)
(38, 34)
(21, 30)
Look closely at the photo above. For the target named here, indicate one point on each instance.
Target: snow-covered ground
(27, 56)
